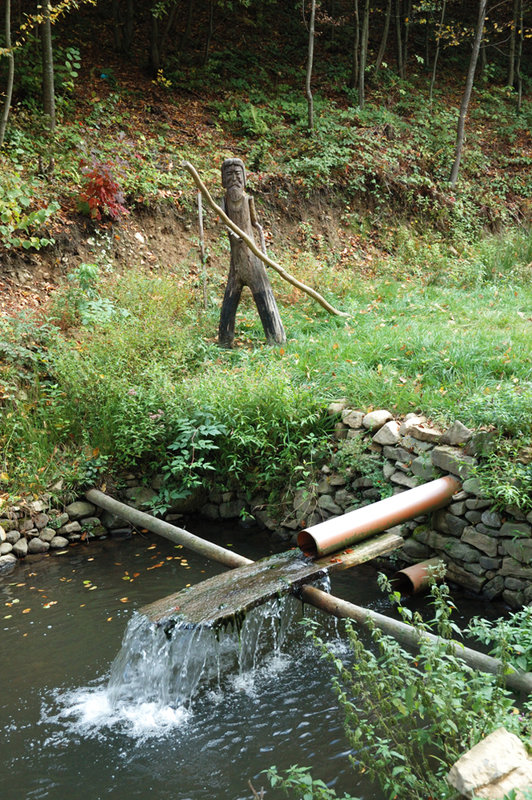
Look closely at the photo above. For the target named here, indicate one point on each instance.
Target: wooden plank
(223, 598)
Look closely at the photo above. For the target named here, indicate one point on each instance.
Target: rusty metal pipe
(417, 577)
(340, 532)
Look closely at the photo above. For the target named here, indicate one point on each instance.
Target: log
(411, 637)
(177, 535)
(226, 598)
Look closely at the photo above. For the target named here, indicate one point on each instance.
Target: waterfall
(168, 666)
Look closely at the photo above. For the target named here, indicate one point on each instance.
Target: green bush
(410, 716)
(21, 224)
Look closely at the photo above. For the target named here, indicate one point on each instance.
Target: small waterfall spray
(163, 670)
(167, 667)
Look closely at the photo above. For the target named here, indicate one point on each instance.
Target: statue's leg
(233, 291)
(266, 306)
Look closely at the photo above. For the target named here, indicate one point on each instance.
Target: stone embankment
(486, 551)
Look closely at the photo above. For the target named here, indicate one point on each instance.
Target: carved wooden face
(234, 181)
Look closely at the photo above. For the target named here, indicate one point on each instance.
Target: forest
(386, 151)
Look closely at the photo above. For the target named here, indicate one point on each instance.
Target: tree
(384, 39)
(363, 56)
(48, 91)
(8, 53)
(467, 92)
(437, 53)
(310, 62)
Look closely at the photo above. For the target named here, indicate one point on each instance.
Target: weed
(21, 223)
(410, 716)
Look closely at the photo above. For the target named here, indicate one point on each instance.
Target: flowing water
(192, 716)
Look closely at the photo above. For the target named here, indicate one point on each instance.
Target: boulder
(20, 548)
(37, 545)
(388, 434)
(337, 406)
(452, 459)
(353, 419)
(456, 434)
(58, 542)
(426, 434)
(409, 422)
(493, 767)
(326, 503)
(13, 536)
(7, 562)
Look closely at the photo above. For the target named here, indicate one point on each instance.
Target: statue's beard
(235, 193)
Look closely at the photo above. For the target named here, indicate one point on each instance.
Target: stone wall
(486, 551)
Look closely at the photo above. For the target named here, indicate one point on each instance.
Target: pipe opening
(307, 544)
(418, 577)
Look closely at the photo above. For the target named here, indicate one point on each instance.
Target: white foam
(90, 712)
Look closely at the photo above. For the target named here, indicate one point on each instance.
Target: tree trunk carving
(245, 269)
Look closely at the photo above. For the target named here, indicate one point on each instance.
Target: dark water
(63, 619)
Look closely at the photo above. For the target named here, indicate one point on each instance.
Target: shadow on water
(190, 717)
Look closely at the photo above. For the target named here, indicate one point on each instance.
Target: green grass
(122, 386)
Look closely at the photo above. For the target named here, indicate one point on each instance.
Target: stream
(67, 733)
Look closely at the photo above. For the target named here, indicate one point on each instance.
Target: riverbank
(486, 551)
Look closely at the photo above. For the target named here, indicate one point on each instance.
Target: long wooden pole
(410, 636)
(254, 249)
(162, 528)
(518, 681)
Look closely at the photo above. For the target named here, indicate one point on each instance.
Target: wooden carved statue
(246, 268)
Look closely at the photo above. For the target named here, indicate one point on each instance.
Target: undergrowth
(408, 716)
(128, 361)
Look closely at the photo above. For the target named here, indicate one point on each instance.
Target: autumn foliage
(101, 194)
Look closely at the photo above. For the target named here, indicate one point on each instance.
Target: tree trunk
(399, 36)
(127, 38)
(48, 91)
(407, 32)
(209, 33)
(310, 62)
(519, 56)
(363, 57)
(10, 74)
(355, 65)
(167, 28)
(437, 53)
(188, 25)
(155, 56)
(512, 53)
(384, 40)
(117, 25)
(467, 92)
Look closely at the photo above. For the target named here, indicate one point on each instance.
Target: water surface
(63, 619)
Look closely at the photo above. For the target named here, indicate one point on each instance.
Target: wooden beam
(223, 598)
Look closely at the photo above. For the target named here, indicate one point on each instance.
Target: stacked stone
(487, 551)
(37, 527)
